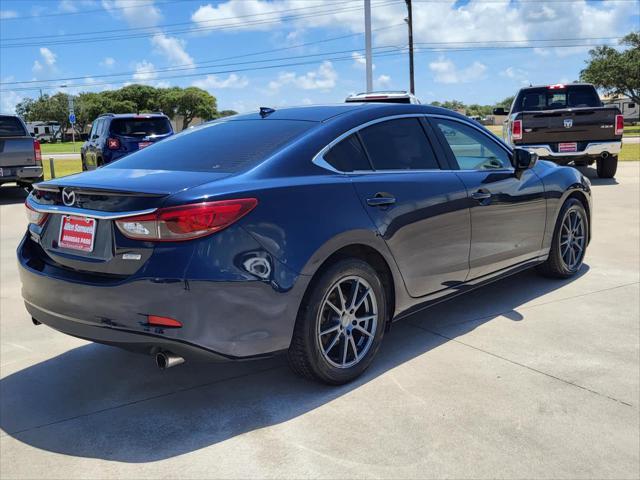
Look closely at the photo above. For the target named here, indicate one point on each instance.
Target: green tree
(506, 103)
(143, 97)
(226, 113)
(190, 102)
(616, 72)
(54, 108)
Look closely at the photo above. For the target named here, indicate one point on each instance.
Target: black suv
(115, 135)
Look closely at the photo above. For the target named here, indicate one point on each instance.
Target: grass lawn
(632, 130)
(630, 152)
(63, 168)
(66, 147)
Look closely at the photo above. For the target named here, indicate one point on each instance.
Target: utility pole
(367, 44)
(412, 86)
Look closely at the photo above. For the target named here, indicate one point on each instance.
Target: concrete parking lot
(526, 378)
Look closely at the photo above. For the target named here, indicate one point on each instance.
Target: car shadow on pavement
(592, 175)
(101, 402)
(10, 195)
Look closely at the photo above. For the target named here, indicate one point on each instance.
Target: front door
(420, 210)
(508, 212)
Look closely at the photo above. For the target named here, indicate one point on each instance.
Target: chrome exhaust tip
(167, 360)
(604, 154)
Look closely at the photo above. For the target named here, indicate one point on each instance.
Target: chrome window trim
(319, 160)
(81, 212)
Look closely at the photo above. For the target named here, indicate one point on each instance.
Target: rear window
(536, 99)
(11, 127)
(225, 146)
(140, 127)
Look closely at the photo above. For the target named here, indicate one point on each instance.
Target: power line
(44, 38)
(233, 25)
(399, 51)
(191, 66)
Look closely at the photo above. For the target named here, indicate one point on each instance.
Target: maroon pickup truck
(566, 124)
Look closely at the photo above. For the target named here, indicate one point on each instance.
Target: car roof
(134, 115)
(324, 113)
(558, 85)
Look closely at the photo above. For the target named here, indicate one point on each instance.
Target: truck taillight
(186, 222)
(619, 124)
(37, 152)
(37, 218)
(557, 86)
(516, 130)
(113, 143)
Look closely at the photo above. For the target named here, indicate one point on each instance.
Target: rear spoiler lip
(82, 212)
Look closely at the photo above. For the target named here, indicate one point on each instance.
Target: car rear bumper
(221, 319)
(594, 149)
(21, 174)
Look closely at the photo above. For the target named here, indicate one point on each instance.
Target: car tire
(607, 167)
(84, 163)
(569, 243)
(322, 335)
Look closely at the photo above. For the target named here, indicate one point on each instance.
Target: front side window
(399, 144)
(471, 149)
(347, 155)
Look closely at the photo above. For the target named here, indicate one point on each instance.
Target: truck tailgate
(16, 151)
(569, 125)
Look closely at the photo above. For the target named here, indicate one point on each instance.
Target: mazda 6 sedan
(300, 230)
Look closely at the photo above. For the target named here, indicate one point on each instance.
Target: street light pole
(367, 44)
(412, 87)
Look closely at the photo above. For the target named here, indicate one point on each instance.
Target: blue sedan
(300, 230)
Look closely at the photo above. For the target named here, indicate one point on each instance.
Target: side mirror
(499, 111)
(523, 159)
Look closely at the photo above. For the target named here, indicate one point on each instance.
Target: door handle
(381, 199)
(481, 195)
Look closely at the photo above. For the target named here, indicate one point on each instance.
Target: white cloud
(67, 6)
(360, 61)
(144, 72)
(383, 81)
(233, 14)
(136, 14)
(48, 56)
(107, 62)
(445, 71)
(173, 50)
(5, 14)
(37, 67)
(211, 82)
(323, 78)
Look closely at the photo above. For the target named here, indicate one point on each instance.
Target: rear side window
(224, 146)
(347, 155)
(11, 127)
(536, 99)
(140, 127)
(399, 145)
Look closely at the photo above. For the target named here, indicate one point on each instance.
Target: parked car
(114, 136)
(20, 155)
(383, 97)
(567, 124)
(302, 230)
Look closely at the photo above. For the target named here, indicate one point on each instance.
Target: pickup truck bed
(20, 159)
(568, 125)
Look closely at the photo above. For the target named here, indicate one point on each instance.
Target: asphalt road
(526, 378)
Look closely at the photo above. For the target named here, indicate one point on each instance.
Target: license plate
(142, 145)
(77, 233)
(568, 147)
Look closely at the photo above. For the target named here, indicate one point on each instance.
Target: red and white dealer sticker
(77, 233)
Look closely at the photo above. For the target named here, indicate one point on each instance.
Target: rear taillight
(34, 217)
(557, 86)
(619, 124)
(113, 143)
(186, 222)
(37, 152)
(516, 130)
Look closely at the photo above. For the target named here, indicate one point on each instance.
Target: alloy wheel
(572, 239)
(347, 322)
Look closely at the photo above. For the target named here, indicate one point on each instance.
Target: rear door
(419, 209)
(508, 213)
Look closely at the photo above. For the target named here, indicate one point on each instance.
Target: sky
(251, 53)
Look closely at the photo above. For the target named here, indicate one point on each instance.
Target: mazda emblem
(68, 197)
(568, 123)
